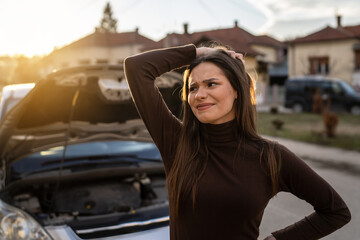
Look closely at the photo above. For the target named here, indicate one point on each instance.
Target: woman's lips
(204, 106)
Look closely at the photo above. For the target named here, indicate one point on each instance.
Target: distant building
(265, 56)
(97, 48)
(261, 52)
(333, 52)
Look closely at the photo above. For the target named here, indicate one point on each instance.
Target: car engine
(54, 203)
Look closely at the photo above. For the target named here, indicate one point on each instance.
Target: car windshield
(100, 154)
(347, 87)
(89, 107)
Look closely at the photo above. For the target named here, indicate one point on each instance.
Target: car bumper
(66, 233)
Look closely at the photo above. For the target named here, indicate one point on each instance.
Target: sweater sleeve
(141, 71)
(330, 212)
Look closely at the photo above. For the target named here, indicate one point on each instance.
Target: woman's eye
(191, 89)
(211, 84)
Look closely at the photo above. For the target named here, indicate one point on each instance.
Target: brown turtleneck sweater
(232, 194)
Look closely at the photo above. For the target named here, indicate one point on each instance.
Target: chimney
(236, 23)
(136, 30)
(167, 40)
(186, 26)
(338, 17)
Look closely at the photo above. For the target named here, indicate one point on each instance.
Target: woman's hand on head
(205, 50)
(236, 55)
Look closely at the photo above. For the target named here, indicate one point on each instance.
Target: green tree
(108, 23)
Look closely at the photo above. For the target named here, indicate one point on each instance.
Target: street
(286, 209)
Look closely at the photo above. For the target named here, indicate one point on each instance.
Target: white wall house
(333, 52)
(96, 48)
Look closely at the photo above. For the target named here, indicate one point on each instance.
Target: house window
(357, 59)
(102, 61)
(84, 61)
(319, 65)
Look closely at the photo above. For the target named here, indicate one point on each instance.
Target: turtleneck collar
(219, 133)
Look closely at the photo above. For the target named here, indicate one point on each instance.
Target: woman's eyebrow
(204, 81)
(209, 80)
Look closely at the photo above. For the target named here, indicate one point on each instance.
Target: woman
(220, 172)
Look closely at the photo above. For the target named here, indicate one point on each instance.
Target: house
(97, 48)
(261, 53)
(334, 52)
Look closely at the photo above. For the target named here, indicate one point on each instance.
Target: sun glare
(35, 47)
(41, 25)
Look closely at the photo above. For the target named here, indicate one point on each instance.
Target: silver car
(78, 163)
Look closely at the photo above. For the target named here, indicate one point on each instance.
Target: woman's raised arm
(141, 70)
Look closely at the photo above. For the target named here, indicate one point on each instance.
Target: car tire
(355, 110)
(298, 108)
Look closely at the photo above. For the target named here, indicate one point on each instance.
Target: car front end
(78, 163)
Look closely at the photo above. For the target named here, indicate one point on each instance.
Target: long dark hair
(192, 154)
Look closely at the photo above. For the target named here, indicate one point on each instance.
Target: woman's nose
(201, 93)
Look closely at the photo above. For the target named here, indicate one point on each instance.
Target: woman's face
(211, 96)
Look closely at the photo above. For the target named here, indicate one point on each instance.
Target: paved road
(286, 209)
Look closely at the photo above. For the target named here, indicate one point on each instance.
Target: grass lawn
(308, 127)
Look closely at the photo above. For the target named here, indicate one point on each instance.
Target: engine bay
(64, 202)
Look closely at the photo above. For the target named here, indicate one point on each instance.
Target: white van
(11, 95)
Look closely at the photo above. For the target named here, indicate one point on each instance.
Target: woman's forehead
(204, 71)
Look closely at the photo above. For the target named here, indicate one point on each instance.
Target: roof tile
(237, 38)
(329, 33)
(109, 40)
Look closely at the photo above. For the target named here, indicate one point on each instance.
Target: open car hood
(77, 105)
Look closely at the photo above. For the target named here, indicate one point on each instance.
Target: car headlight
(16, 224)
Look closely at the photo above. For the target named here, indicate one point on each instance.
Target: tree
(108, 23)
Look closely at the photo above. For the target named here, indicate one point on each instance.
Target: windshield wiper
(92, 164)
(133, 158)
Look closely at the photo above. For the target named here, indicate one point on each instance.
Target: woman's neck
(224, 132)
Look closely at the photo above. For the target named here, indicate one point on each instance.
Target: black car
(299, 93)
(78, 163)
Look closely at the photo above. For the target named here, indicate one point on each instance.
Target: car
(78, 163)
(299, 93)
(11, 95)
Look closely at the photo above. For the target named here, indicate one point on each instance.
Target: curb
(318, 153)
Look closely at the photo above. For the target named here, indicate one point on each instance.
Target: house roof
(267, 40)
(99, 39)
(235, 37)
(329, 33)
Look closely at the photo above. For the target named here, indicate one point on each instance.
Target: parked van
(11, 95)
(299, 93)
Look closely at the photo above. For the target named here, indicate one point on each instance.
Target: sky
(36, 27)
